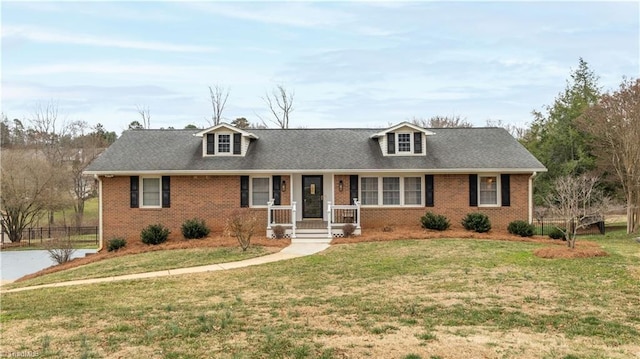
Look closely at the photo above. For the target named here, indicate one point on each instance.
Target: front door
(312, 197)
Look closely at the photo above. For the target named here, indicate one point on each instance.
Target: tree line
(42, 163)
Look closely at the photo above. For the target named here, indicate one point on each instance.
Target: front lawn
(439, 298)
(146, 262)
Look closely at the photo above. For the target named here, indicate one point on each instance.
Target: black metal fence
(40, 235)
(544, 226)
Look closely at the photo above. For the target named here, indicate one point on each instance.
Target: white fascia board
(314, 171)
(403, 124)
(227, 126)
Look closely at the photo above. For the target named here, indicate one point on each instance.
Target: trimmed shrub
(278, 231)
(116, 243)
(477, 222)
(154, 234)
(521, 228)
(556, 233)
(195, 228)
(435, 221)
(348, 230)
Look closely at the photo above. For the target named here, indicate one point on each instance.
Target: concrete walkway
(294, 250)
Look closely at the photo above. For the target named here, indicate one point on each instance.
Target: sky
(348, 64)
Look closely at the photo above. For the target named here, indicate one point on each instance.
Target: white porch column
(293, 219)
(329, 220)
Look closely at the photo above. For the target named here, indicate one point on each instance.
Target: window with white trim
(412, 190)
(390, 190)
(224, 143)
(404, 142)
(488, 190)
(151, 192)
(369, 190)
(259, 191)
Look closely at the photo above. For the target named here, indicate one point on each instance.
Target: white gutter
(214, 172)
(531, 197)
(100, 241)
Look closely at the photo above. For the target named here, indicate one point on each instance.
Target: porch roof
(278, 150)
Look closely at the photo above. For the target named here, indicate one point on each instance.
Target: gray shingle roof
(450, 149)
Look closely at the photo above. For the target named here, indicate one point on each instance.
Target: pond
(16, 264)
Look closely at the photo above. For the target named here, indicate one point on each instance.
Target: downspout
(531, 197)
(100, 242)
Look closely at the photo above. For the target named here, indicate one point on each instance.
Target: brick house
(312, 181)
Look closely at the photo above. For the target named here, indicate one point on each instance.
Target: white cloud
(43, 35)
(297, 14)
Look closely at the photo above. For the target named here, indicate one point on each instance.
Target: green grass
(67, 215)
(146, 262)
(427, 299)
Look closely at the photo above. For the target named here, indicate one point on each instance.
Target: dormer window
(225, 140)
(224, 143)
(404, 142)
(404, 139)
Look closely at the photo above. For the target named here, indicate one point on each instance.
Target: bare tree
(614, 123)
(441, 122)
(515, 131)
(218, 96)
(578, 202)
(86, 148)
(280, 103)
(242, 224)
(28, 184)
(145, 115)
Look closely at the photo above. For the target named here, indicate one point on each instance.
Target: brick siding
(451, 199)
(214, 198)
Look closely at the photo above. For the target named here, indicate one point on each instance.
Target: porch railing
(278, 215)
(339, 215)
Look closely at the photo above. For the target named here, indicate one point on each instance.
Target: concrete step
(310, 240)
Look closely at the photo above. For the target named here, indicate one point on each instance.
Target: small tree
(578, 202)
(242, 225)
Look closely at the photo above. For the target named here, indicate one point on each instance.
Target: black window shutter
(505, 184)
(428, 191)
(473, 190)
(166, 191)
(211, 143)
(391, 143)
(417, 142)
(237, 139)
(244, 191)
(276, 190)
(353, 187)
(135, 183)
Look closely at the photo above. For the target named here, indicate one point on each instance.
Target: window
(412, 190)
(260, 191)
(369, 190)
(224, 143)
(488, 190)
(151, 192)
(390, 190)
(404, 142)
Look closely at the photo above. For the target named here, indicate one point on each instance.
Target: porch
(337, 217)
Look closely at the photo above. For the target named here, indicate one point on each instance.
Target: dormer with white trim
(404, 139)
(225, 140)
